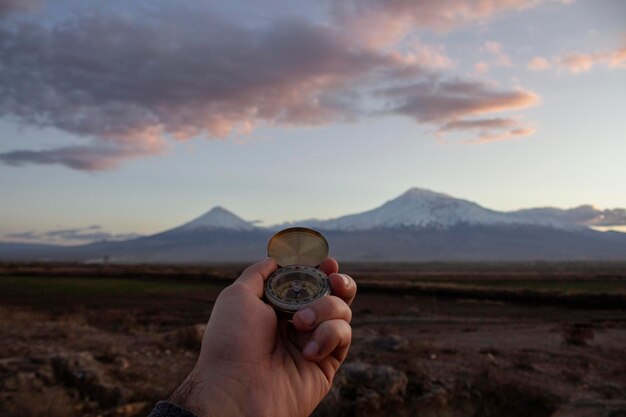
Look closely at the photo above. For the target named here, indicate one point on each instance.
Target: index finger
(254, 276)
(329, 266)
(343, 286)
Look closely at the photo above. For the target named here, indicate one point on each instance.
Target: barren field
(429, 339)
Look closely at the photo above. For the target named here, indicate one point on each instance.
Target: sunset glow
(133, 117)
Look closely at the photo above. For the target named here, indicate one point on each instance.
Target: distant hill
(419, 225)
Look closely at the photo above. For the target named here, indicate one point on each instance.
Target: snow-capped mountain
(217, 218)
(583, 215)
(420, 208)
(419, 225)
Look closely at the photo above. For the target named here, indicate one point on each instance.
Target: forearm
(204, 393)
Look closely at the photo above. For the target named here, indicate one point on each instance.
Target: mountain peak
(420, 208)
(422, 192)
(218, 218)
(219, 210)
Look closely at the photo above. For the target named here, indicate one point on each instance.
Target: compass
(297, 282)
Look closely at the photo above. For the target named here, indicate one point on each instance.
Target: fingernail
(312, 348)
(346, 280)
(307, 316)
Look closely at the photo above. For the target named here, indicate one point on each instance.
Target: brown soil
(412, 355)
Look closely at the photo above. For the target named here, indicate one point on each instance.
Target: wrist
(206, 395)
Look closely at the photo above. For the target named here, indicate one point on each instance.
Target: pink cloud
(383, 22)
(538, 64)
(453, 106)
(577, 63)
(617, 59)
(127, 85)
(488, 137)
(489, 130)
(481, 68)
(427, 56)
(499, 57)
(451, 100)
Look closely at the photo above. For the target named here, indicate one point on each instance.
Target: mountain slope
(420, 208)
(583, 215)
(419, 225)
(217, 218)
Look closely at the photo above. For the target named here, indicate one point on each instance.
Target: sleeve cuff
(168, 409)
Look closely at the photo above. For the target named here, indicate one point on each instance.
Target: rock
(382, 379)
(122, 363)
(189, 337)
(365, 390)
(391, 342)
(129, 410)
(578, 334)
(82, 372)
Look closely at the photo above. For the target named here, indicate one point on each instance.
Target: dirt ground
(417, 355)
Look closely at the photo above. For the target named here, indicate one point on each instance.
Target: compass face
(289, 288)
(297, 282)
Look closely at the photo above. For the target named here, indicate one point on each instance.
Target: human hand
(253, 363)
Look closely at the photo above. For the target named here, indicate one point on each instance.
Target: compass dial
(289, 288)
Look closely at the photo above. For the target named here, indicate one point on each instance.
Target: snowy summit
(421, 208)
(217, 218)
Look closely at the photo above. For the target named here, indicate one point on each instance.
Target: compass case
(297, 282)
(298, 246)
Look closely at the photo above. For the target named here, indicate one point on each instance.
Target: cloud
(616, 59)
(577, 63)
(452, 106)
(538, 63)
(481, 68)
(592, 216)
(97, 157)
(496, 123)
(449, 101)
(24, 236)
(12, 6)
(490, 130)
(499, 57)
(93, 233)
(427, 56)
(608, 217)
(384, 22)
(128, 83)
(495, 136)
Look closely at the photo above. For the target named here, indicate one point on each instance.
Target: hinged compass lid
(298, 246)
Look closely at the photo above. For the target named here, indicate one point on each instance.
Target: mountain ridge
(419, 225)
(419, 208)
(217, 218)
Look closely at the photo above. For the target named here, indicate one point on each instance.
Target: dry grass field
(428, 339)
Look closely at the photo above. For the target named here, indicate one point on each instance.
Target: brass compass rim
(298, 246)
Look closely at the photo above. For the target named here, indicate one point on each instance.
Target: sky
(123, 118)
